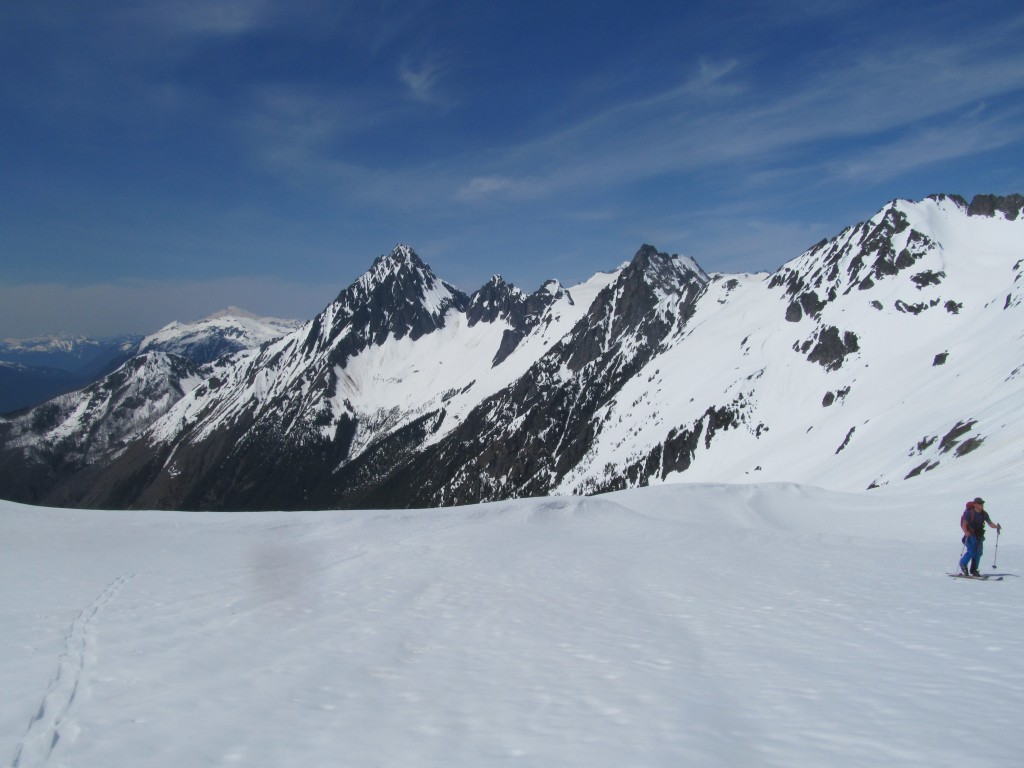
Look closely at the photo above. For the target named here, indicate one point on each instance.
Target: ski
(982, 577)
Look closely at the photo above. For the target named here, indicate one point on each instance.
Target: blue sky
(162, 160)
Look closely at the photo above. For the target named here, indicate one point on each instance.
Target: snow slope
(704, 625)
(79, 429)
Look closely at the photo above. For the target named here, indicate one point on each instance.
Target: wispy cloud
(480, 188)
(423, 81)
(919, 92)
(925, 145)
(309, 121)
(306, 139)
(211, 17)
(712, 79)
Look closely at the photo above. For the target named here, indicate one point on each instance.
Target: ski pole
(995, 554)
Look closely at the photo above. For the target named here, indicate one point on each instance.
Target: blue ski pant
(972, 554)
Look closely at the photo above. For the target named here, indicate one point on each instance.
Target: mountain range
(887, 353)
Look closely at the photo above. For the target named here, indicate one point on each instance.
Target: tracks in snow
(51, 722)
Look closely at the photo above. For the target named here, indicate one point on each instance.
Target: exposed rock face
(831, 348)
(989, 205)
(499, 301)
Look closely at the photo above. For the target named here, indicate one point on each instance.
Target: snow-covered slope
(525, 438)
(884, 355)
(761, 625)
(75, 431)
(84, 428)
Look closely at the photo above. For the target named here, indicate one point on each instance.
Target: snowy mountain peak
(398, 296)
(402, 252)
(402, 277)
(665, 274)
(495, 299)
(222, 333)
(900, 256)
(71, 346)
(47, 343)
(401, 263)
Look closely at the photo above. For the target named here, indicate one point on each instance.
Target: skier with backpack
(973, 522)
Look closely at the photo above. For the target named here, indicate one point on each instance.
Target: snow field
(773, 625)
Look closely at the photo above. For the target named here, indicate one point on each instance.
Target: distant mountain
(882, 355)
(223, 333)
(69, 353)
(34, 370)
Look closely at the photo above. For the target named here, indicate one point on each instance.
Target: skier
(973, 523)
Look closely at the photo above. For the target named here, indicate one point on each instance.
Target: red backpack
(971, 517)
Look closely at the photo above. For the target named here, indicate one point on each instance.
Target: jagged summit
(398, 296)
(401, 260)
(401, 277)
(665, 270)
(495, 299)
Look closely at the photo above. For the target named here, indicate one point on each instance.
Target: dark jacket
(974, 520)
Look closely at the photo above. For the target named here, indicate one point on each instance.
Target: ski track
(52, 721)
